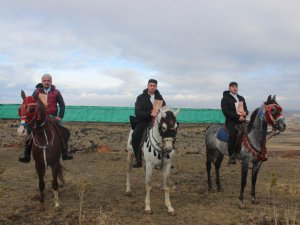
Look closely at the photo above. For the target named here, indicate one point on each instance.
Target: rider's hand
(58, 119)
(244, 114)
(154, 113)
(242, 118)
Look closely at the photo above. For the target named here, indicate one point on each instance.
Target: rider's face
(233, 89)
(46, 82)
(151, 88)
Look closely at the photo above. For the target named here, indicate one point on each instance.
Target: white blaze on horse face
(21, 129)
(168, 144)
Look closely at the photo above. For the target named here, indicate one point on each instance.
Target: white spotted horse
(46, 143)
(158, 150)
(252, 144)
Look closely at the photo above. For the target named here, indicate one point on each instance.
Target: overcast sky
(104, 52)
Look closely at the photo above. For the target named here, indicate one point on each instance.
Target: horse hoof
(171, 213)
(255, 201)
(42, 207)
(148, 212)
(219, 189)
(128, 193)
(241, 205)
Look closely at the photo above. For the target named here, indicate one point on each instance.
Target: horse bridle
(273, 114)
(270, 114)
(167, 130)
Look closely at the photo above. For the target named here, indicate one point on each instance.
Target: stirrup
(137, 164)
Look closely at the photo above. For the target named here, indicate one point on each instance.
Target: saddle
(63, 133)
(222, 135)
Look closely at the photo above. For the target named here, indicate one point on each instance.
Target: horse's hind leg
(217, 168)
(208, 169)
(166, 173)
(129, 169)
(56, 170)
(255, 170)
(40, 169)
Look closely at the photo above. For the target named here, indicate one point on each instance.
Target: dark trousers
(137, 135)
(232, 132)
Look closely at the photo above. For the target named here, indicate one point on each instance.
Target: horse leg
(148, 175)
(166, 174)
(208, 168)
(255, 170)
(40, 169)
(244, 173)
(56, 170)
(129, 169)
(217, 168)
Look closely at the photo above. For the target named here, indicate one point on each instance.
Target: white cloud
(105, 51)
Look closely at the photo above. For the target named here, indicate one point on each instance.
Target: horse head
(273, 114)
(26, 112)
(32, 113)
(167, 127)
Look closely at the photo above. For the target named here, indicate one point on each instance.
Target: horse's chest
(154, 153)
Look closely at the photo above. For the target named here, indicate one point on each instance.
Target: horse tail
(61, 172)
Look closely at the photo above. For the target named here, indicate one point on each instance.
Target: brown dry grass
(94, 192)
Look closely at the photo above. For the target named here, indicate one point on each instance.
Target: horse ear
(23, 95)
(176, 112)
(269, 98)
(274, 98)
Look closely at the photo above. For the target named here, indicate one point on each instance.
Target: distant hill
(292, 116)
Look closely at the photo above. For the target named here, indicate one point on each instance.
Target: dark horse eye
(31, 110)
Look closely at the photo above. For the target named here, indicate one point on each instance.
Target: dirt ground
(98, 174)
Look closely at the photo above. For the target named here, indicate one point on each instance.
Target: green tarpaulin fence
(118, 114)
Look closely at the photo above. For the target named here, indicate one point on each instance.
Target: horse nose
(284, 126)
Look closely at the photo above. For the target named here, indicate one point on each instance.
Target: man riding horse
(235, 110)
(50, 96)
(144, 112)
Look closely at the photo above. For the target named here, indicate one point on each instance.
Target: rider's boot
(138, 158)
(232, 160)
(25, 157)
(65, 154)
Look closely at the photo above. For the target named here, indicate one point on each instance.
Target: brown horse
(46, 142)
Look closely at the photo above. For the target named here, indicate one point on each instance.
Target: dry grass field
(94, 192)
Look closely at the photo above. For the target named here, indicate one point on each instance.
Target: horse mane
(252, 118)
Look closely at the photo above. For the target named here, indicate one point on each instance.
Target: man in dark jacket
(144, 112)
(50, 96)
(235, 110)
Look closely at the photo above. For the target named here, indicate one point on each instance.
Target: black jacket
(228, 107)
(143, 105)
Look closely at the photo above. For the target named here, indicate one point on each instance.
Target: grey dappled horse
(253, 146)
(158, 150)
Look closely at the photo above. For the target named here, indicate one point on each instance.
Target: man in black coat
(144, 113)
(234, 114)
